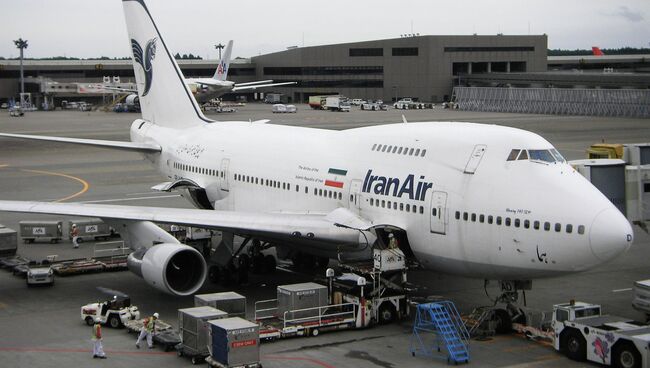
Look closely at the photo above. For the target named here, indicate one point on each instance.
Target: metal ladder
(443, 320)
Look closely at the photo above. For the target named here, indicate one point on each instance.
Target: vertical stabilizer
(597, 51)
(224, 64)
(165, 99)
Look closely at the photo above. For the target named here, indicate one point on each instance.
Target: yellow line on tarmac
(83, 182)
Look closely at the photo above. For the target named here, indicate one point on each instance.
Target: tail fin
(165, 99)
(596, 51)
(224, 64)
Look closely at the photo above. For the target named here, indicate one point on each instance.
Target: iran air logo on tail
(144, 58)
(406, 188)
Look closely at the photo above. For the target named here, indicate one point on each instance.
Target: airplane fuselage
(466, 208)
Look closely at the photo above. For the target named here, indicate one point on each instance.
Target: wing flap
(127, 146)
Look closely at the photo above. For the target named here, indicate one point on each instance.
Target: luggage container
(641, 300)
(31, 231)
(230, 302)
(292, 298)
(234, 342)
(193, 329)
(90, 229)
(8, 241)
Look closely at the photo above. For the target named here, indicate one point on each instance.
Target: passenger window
(517, 223)
(473, 217)
(417, 152)
(581, 229)
(465, 216)
(394, 149)
(389, 204)
(320, 192)
(481, 218)
(399, 151)
(406, 151)
(569, 228)
(508, 221)
(383, 203)
(536, 225)
(547, 226)
(490, 219)
(415, 209)
(372, 201)
(340, 196)
(379, 147)
(408, 207)
(421, 209)
(424, 152)
(316, 193)
(384, 149)
(527, 224)
(374, 146)
(457, 215)
(498, 220)
(558, 227)
(523, 155)
(389, 149)
(411, 152)
(329, 194)
(434, 212)
(306, 190)
(513, 155)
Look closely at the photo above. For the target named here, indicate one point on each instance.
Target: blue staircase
(442, 321)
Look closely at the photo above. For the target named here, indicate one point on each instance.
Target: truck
(317, 102)
(583, 333)
(377, 105)
(641, 301)
(275, 98)
(410, 104)
(90, 229)
(51, 231)
(337, 103)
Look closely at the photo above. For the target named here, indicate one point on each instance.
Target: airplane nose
(610, 234)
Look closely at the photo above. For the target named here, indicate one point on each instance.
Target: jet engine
(176, 269)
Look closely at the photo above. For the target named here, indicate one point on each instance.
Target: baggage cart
(51, 231)
(90, 229)
(234, 342)
(641, 300)
(164, 334)
(230, 302)
(302, 297)
(8, 241)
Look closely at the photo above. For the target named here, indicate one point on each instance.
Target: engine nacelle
(176, 269)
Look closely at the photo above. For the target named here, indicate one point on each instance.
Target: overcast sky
(91, 28)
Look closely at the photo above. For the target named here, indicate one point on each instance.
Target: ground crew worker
(98, 349)
(148, 329)
(392, 241)
(74, 233)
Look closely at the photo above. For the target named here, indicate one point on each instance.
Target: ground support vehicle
(114, 312)
(40, 274)
(164, 334)
(641, 300)
(583, 333)
(317, 102)
(91, 229)
(10, 263)
(374, 106)
(279, 108)
(16, 112)
(337, 103)
(51, 231)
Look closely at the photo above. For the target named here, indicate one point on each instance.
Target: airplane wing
(255, 82)
(255, 86)
(127, 146)
(311, 229)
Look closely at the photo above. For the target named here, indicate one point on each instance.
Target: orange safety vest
(97, 331)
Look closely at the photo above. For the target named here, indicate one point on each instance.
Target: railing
(113, 249)
(269, 311)
(323, 317)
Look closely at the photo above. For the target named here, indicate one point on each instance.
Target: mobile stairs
(442, 320)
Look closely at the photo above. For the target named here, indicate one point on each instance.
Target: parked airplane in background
(474, 200)
(596, 51)
(206, 89)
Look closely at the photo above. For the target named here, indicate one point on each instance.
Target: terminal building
(427, 68)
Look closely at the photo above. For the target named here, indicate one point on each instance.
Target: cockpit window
(558, 156)
(541, 155)
(523, 155)
(513, 155)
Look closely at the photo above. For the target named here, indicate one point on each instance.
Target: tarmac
(42, 327)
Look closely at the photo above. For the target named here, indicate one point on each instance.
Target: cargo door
(475, 158)
(225, 175)
(438, 214)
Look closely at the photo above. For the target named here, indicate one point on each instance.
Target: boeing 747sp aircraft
(474, 200)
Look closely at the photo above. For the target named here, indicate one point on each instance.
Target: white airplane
(474, 200)
(205, 89)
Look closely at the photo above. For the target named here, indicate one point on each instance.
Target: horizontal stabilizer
(126, 146)
(255, 82)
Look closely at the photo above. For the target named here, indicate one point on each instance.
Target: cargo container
(8, 241)
(234, 342)
(293, 297)
(641, 300)
(51, 231)
(230, 302)
(90, 229)
(193, 329)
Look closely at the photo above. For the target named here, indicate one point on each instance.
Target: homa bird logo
(144, 58)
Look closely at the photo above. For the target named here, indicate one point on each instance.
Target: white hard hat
(74, 225)
(390, 235)
(97, 320)
(156, 315)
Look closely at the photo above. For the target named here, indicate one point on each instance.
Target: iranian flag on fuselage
(335, 174)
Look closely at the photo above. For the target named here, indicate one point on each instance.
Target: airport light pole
(22, 45)
(219, 47)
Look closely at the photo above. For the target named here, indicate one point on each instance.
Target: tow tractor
(583, 333)
(114, 312)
